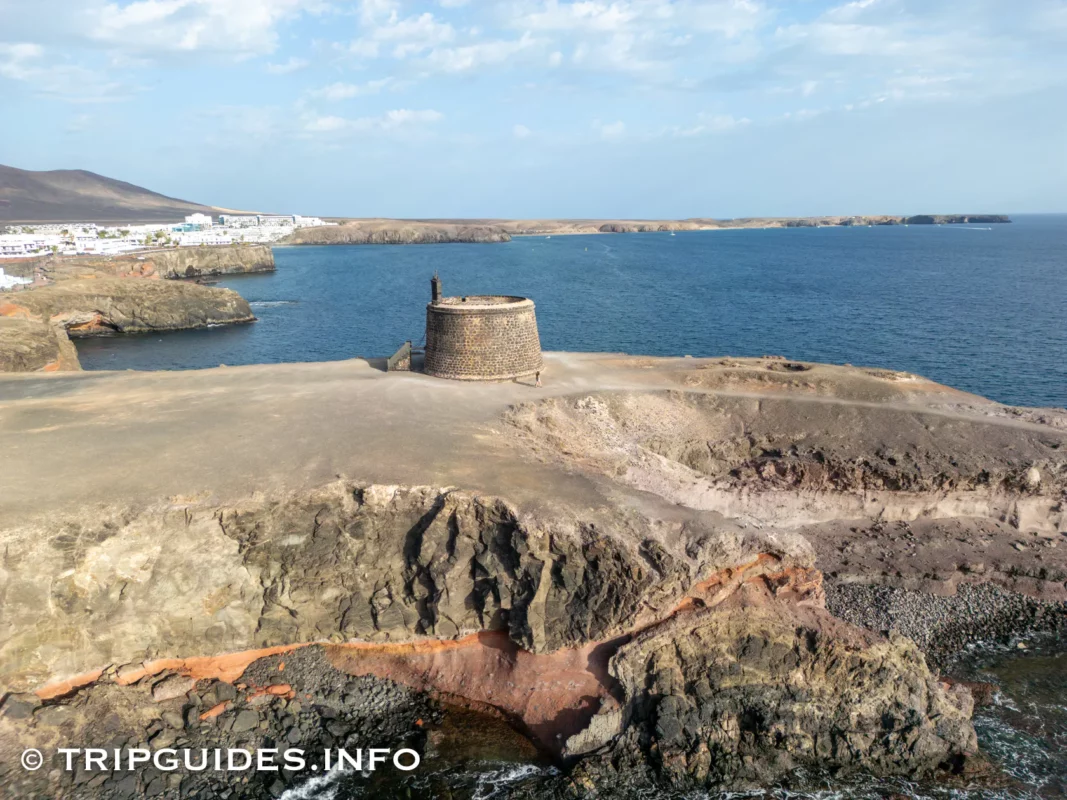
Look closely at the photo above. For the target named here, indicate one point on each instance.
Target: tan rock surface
(123, 305)
(28, 345)
(664, 514)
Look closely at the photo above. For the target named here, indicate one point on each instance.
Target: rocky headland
(101, 296)
(384, 231)
(674, 573)
(379, 231)
(172, 263)
(34, 345)
(116, 305)
(198, 262)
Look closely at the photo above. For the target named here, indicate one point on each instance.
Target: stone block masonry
(482, 338)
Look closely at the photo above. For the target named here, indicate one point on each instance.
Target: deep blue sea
(981, 308)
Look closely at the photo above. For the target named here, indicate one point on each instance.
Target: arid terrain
(76, 195)
(695, 572)
(436, 231)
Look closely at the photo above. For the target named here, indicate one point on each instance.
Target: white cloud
(469, 57)
(345, 91)
(612, 131)
(622, 52)
(391, 120)
(586, 16)
(326, 124)
(713, 123)
(726, 17)
(79, 123)
(395, 119)
(522, 132)
(49, 75)
(403, 37)
(236, 28)
(293, 64)
(18, 60)
(803, 114)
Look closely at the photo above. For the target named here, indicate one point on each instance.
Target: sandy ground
(141, 437)
(920, 504)
(71, 440)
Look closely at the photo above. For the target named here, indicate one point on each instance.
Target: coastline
(629, 530)
(84, 296)
(431, 231)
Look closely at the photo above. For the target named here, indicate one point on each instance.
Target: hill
(75, 195)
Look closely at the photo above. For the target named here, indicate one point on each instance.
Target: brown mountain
(75, 195)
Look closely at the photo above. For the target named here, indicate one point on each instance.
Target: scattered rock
(245, 721)
(171, 687)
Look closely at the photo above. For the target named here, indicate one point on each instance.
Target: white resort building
(82, 238)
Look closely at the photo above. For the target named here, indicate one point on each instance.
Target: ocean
(979, 307)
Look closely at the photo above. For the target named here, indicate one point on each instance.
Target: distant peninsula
(436, 231)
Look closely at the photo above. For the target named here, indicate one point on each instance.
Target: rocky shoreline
(716, 574)
(100, 296)
(946, 626)
(384, 231)
(397, 232)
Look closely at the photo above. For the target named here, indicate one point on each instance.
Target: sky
(548, 108)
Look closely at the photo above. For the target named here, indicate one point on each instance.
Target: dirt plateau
(643, 570)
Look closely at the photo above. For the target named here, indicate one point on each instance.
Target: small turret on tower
(435, 290)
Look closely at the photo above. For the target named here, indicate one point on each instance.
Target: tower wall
(482, 338)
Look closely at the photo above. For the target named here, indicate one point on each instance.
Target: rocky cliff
(397, 232)
(650, 581)
(718, 667)
(195, 262)
(171, 263)
(28, 345)
(501, 230)
(94, 295)
(103, 306)
(956, 219)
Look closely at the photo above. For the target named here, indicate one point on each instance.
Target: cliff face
(646, 581)
(28, 345)
(174, 263)
(116, 305)
(195, 262)
(714, 669)
(94, 295)
(956, 219)
(397, 232)
(543, 227)
(746, 693)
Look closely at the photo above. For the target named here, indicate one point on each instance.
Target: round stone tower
(481, 338)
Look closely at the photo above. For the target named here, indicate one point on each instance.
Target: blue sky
(527, 108)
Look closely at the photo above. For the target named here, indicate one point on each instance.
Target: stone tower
(481, 337)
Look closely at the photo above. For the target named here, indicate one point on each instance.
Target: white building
(22, 245)
(203, 220)
(238, 221)
(93, 245)
(207, 238)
